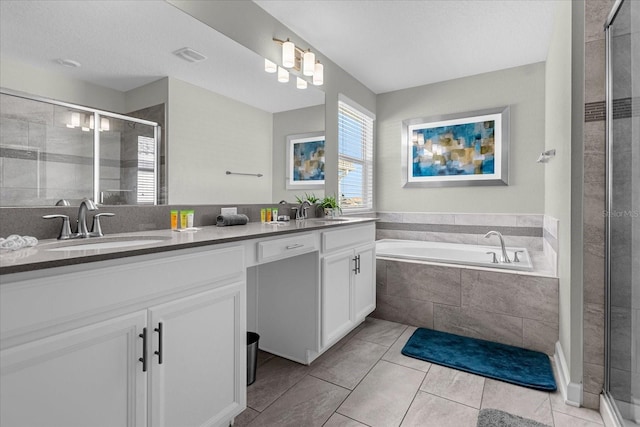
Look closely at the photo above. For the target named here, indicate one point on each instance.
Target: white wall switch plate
(228, 211)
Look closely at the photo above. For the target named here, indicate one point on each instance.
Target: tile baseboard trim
(571, 392)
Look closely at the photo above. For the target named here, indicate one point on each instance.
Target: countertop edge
(84, 258)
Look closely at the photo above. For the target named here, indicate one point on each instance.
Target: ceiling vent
(189, 55)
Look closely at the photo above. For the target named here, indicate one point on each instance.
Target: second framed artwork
(456, 149)
(305, 160)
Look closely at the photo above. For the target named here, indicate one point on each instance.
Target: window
(146, 170)
(355, 156)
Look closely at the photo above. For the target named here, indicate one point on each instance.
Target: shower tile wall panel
(509, 308)
(596, 12)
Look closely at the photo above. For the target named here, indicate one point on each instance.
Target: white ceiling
(125, 44)
(396, 44)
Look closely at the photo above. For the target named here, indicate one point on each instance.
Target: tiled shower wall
(596, 12)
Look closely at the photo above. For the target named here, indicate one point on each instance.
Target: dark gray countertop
(41, 256)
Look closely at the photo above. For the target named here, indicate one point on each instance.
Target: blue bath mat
(503, 362)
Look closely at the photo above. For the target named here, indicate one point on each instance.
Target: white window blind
(355, 158)
(146, 170)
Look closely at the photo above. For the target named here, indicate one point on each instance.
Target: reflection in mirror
(224, 113)
(48, 153)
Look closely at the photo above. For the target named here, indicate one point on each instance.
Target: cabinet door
(336, 295)
(202, 378)
(364, 283)
(89, 376)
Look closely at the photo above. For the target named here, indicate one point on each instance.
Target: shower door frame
(608, 397)
(97, 114)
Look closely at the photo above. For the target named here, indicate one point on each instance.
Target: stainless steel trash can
(252, 356)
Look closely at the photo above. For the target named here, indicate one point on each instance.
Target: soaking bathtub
(452, 253)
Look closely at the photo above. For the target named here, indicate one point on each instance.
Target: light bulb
(270, 67)
(318, 74)
(301, 83)
(288, 54)
(283, 75)
(308, 63)
(104, 124)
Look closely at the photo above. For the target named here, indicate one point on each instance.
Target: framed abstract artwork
(305, 159)
(457, 149)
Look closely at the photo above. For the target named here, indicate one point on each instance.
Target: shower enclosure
(52, 151)
(622, 370)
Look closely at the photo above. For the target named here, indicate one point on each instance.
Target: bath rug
(496, 418)
(503, 362)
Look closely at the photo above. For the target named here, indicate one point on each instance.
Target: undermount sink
(330, 219)
(105, 243)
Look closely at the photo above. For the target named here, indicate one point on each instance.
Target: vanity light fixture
(301, 62)
(283, 75)
(75, 120)
(270, 67)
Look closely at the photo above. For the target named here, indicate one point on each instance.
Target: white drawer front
(348, 237)
(271, 250)
(41, 303)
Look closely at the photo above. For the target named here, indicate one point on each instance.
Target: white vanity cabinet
(348, 288)
(74, 344)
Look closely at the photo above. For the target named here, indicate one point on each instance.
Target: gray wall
(521, 88)
(558, 177)
(303, 120)
(231, 17)
(210, 134)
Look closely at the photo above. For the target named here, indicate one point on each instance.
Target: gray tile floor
(364, 380)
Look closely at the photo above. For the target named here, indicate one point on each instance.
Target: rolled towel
(15, 242)
(224, 220)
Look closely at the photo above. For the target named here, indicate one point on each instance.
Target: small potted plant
(330, 206)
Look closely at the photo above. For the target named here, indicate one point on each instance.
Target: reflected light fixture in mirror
(299, 60)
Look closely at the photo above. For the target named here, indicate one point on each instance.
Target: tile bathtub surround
(510, 308)
(517, 229)
(395, 391)
(29, 221)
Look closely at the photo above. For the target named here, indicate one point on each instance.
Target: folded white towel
(15, 242)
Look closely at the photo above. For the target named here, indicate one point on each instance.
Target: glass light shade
(283, 75)
(318, 74)
(288, 54)
(308, 63)
(104, 124)
(270, 67)
(75, 120)
(301, 83)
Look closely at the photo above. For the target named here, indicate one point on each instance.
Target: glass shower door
(622, 377)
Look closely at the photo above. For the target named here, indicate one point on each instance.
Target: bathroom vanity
(156, 334)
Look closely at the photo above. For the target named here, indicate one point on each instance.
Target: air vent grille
(189, 55)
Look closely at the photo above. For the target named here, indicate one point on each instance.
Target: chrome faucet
(504, 258)
(85, 205)
(301, 213)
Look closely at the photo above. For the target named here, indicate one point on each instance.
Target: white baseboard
(571, 392)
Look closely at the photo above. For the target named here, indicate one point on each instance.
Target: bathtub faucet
(504, 258)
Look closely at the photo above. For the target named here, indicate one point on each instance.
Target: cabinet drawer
(348, 237)
(38, 304)
(271, 250)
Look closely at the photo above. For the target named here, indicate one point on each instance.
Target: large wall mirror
(217, 115)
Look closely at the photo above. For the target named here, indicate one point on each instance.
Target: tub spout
(504, 258)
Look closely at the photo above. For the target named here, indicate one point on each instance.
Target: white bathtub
(451, 253)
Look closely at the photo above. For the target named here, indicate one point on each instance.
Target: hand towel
(224, 220)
